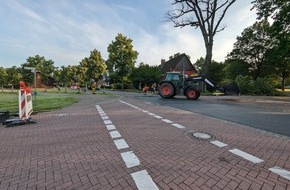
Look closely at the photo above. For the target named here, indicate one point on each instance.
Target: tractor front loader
(175, 84)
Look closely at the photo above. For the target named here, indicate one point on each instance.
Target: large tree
(145, 74)
(252, 46)
(14, 76)
(45, 67)
(122, 58)
(279, 55)
(93, 66)
(205, 15)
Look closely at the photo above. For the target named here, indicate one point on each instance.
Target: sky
(66, 31)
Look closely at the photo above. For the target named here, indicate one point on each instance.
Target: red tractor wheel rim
(166, 90)
(191, 93)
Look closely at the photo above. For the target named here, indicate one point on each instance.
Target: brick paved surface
(73, 148)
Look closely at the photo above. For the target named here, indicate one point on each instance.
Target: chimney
(162, 62)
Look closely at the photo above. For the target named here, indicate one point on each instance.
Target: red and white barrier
(25, 104)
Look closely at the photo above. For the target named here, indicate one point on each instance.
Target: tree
(121, 59)
(3, 77)
(93, 66)
(252, 46)
(145, 74)
(279, 55)
(205, 15)
(14, 76)
(234, 68)
(45, 67)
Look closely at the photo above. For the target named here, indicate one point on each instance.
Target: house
(47, 84)
(180, 63)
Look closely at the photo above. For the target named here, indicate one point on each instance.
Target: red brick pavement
(72, 149)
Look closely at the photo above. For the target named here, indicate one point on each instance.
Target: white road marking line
(281, 172)
(105, 117)
(121, 144)
(145, 111)
(218, 143)
(110, 127)
(143, 180)
(98, 107)
(130, 159)
(157, 116)
(103, 114)
(178, 126)
(151, 114)
(246, 156)
(107, 122)
(167, 121)
(115, 134)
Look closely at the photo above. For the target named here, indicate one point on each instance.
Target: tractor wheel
(192, 93)
(166, 90)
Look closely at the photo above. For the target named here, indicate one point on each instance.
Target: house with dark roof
(180, 63)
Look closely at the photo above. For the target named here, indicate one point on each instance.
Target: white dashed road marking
(178, 126)
(167, 121)
(143, 180)
(107, 122)
(281, 172)
(115, 134)
(121, 144)
(246, 156)
(130, 159)
(111, 127)
(218, 143)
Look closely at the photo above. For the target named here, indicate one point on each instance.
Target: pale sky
(65, 31)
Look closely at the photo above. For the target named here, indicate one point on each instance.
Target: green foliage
(121, 59)
(3, 76)
(93, 67)
(145, 74)
(264, 87)
(233, 68)
(14, 76)
(245, 84)
(46, 67)
(261, 86)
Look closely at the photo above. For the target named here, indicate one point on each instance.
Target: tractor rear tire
(192, 93)
(166, 90)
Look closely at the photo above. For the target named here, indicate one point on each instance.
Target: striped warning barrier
(25, 104)
(25, 107)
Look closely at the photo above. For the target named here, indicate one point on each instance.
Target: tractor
(176, 83)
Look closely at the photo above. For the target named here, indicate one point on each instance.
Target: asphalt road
(267, 113)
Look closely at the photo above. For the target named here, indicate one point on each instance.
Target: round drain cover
(203, 136)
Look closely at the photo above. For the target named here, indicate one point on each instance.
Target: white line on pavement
(281, 172)
(167, 121)
(121, 144)
(107, 122)
(111, 127)
(246, 156)
(157, 116)
(115, 134)
(178, 126)
(143, 180)
(105, 117)
(130, 159)
(218, 143)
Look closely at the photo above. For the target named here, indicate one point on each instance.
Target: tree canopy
(205, 15)
(122, 58)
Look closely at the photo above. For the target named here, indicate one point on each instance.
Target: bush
(264, 87)
(245, 84)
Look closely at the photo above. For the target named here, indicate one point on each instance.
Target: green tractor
(176, 84)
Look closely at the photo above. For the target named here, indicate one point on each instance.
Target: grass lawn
(43, 101)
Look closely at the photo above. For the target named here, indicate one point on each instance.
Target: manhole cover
(203, 136)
